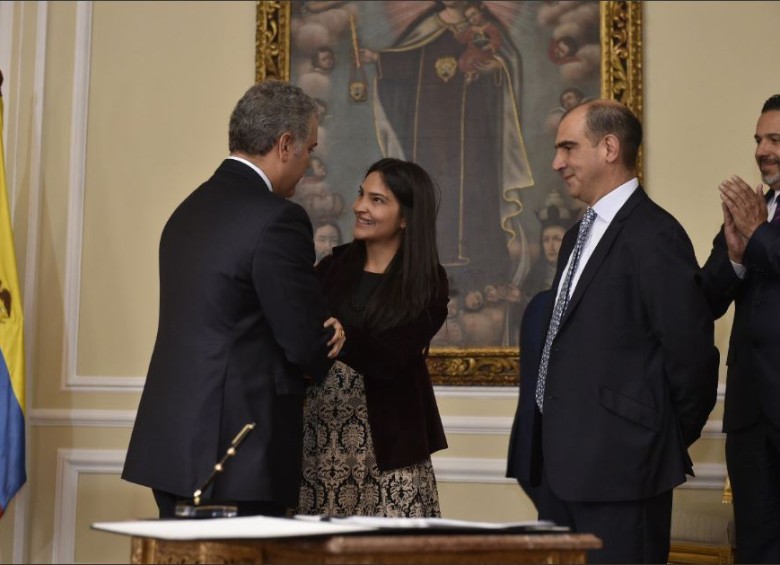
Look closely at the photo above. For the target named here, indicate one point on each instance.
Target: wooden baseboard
(689, 552)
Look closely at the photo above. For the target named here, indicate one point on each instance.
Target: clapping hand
(744, 209)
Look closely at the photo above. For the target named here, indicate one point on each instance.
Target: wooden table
(373, 548)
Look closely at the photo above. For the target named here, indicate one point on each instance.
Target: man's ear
(285, 146)
(611, 147)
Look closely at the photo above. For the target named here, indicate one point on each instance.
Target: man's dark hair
(603, 119)
(772, 104)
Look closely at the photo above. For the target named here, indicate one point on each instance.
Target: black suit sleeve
(289, 291)
(763, 250)
(718, 280)
(683, 324)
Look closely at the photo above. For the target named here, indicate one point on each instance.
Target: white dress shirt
(606, 209)
(255, 168)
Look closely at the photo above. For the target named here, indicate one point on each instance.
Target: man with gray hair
(242, 320)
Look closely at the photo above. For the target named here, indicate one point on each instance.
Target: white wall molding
(77, 173)
(35, 188)
(71, 380)
(509, 392)
(709, 476)
(99, 383)
(22, 499)
(453, 425)
(470, 470)
(713, 429)
(478, 425)
(70, 464)
(80, 418)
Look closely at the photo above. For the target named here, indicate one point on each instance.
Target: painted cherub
(482, 39)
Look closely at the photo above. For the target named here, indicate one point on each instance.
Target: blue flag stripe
(12, 465)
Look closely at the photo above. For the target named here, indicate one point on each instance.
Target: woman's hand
(338, 339)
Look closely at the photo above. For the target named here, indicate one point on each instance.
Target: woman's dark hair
(412, 278)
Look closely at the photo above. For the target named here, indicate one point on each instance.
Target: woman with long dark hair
(371, 427)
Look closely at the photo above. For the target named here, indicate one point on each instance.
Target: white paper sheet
(433, 523)
(250, 527)
(262, 527)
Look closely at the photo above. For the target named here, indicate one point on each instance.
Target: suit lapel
(602, 251)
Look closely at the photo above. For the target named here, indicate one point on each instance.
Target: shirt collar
(254, 168)
(608, 205)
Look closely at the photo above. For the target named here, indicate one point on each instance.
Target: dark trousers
(634, 531)
(166, 504)
(753, 460)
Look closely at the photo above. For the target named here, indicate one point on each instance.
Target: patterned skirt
(340, 474)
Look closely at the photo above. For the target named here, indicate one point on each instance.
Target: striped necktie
(561, 303)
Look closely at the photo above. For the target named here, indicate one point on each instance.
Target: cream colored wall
(162, 79)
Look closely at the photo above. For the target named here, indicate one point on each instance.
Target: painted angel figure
(482, 39)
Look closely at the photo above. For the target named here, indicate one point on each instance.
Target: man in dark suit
(533, 328)
(242, 320)
(744, 267)
(628, 372)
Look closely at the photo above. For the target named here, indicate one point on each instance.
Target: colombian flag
(12, 465)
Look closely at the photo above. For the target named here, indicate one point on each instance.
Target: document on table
(262, 527)
(435, 523)
(249, 527)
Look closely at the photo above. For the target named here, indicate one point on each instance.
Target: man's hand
(734, 241)
(747, 207)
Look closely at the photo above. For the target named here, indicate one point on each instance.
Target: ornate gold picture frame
(620, 33)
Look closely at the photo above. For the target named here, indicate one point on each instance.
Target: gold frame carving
(272, 40)
(621, 79)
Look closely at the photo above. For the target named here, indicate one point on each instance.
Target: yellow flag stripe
(11, 319)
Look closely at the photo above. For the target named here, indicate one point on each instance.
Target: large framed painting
(472, 91)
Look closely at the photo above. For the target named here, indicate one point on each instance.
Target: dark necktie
(561, 303)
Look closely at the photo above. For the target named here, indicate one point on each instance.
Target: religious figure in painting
(462, 124)
(445, 85)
